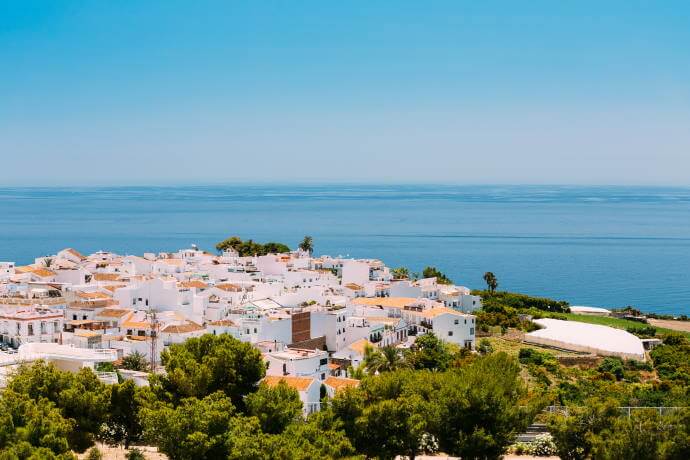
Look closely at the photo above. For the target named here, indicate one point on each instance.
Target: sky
(467, 92)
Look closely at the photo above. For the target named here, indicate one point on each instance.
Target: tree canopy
(433, 272)
(250, 247)
(203, 365)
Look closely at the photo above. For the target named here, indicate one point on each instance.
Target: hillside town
(312, 318)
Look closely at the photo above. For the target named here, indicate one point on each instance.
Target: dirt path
(683, 326)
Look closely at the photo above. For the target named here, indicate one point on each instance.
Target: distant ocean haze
(601, 246)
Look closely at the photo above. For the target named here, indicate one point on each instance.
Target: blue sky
(129, 92)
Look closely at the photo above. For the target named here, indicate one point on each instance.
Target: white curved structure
(590, 338)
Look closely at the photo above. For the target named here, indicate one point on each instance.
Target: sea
(596, 246)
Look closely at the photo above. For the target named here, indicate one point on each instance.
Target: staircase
(532, 432)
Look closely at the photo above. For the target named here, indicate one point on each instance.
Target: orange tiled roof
(360, 345)
(106, 276)
(182, 328)
(43, 272)
(193, 284)
(229, 287)
(389, 302)
(91, 295)
(298, 383)
(340, 382)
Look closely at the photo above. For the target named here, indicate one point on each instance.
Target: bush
(539, 358)
(135, 454)
(543, 446)
(94, 454)
(613, 366)
(485, 347)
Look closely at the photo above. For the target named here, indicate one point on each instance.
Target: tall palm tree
(307, 244)
(385, 359)
(491, 281)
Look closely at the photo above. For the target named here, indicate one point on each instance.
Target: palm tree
(48, 261)
(400, 273)
(491, 281)
(383, 360)
(307, 244)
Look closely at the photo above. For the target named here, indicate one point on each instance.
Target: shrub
(135, 454)
(94, 454)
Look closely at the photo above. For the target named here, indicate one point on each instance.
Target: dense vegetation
(209, 404)
(434, 397)
(252, 248)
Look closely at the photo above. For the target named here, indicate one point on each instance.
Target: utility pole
(153, 319)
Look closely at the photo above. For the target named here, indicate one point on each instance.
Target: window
(74, 317)
(465, 320)
(323, 376)
(471, 331)
(43, 328)
(141, 333)
(450, 333)
(129, 332)
(254, 330)
(457, 321)
(31, 329)
(323, 361)
(83, 317)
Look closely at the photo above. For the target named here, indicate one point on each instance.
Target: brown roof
(182, 328)
(340, 382)
(298, 383)
(114, 312)
(92, 295)
(43, 272)
(113, 287)
(222, 322)
(360, 345)
(229, 287)
(106, 276)
(193, 284)
(389, 302)
(75, 253)
(354, 286)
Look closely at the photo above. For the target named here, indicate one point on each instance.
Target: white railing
(626, 410)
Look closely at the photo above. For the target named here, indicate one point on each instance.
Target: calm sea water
(603, 246)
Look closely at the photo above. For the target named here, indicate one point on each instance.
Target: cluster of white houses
(311, 317)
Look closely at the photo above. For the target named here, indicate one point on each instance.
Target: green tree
(32, 428)
(135, 362)
(234, 242)
(384, 359)
(203, 365)
(274, 248)
(307, 244)
(275, 407)
(491, 281)
(638, 436)
(482, 407)
(194, 430)
(429, 352)
(123, 425)
(250, 247)
(575, 433)
(433, 272)
(80, 396)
